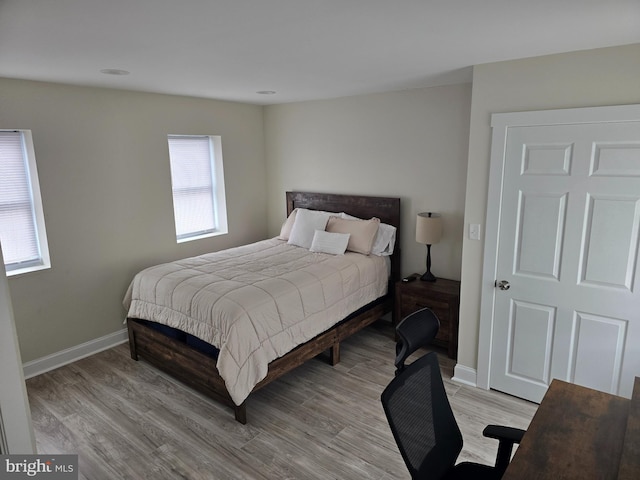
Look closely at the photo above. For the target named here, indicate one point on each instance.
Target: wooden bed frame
(199, 371)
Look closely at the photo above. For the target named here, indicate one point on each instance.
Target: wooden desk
(580, 433)
(630, 462)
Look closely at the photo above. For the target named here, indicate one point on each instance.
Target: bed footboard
(199, 371)
(182, 362)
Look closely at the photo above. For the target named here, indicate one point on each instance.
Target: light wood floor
(127, 420)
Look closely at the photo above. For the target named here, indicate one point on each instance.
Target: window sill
(205, 235)
(33, 268)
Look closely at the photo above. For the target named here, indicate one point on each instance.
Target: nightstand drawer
(411, 303)
(443, 297)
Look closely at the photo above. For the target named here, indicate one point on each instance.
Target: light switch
(474, 231)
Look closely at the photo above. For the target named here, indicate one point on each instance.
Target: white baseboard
(466, 375)
(69, 355)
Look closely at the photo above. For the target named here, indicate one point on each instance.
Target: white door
(567, 300)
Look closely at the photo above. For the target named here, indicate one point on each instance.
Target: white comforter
(256, 302)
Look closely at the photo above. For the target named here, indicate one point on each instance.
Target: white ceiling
(302, 49)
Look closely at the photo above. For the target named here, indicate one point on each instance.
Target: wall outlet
(474, 231)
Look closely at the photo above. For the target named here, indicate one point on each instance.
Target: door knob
(503, 284)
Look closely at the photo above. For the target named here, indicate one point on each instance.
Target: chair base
(475, 471)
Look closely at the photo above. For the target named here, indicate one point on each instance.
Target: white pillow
(327, 242)
(385, 240)
(305, 226)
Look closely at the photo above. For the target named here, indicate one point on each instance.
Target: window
(197, 180)
(22, 232)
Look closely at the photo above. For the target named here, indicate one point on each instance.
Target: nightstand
(441, 296)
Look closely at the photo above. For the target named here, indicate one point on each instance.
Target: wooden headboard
(387, 209)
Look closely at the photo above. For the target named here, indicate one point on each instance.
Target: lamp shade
(428, 228)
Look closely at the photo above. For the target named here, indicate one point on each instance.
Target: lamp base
(428, 277)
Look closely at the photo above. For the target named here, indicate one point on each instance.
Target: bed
(191, 350)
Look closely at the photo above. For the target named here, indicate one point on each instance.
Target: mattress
(256, 302)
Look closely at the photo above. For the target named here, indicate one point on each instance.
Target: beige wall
(608, 76)
(411, 144)
(104, 175)
(106, 190)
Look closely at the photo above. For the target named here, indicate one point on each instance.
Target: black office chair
(416, 330)
(423, 425)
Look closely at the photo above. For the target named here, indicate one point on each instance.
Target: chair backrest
(421, 419)
(416, 330)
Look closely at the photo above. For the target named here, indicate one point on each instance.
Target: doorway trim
(500, 123)
(16, 428)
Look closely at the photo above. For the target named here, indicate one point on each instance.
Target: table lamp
(428, 232)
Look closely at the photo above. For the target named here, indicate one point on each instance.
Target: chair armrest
(507, 437)
(502, 433)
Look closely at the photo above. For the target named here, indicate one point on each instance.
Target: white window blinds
(20, 232)
(195, 185)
